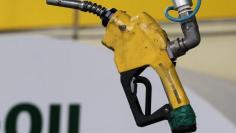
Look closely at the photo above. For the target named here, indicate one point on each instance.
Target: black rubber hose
(94, 8)
(104, 13)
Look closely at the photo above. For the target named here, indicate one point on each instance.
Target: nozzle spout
(52, 2)
(86, 6)
(67, 3)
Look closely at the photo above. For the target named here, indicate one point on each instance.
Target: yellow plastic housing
(139, 41)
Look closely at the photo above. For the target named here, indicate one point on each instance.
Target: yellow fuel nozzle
(139, 42)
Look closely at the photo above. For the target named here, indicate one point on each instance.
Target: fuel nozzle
(86, 6)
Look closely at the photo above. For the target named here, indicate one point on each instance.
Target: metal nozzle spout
(52, 2)
(86, 6)
(67, 3)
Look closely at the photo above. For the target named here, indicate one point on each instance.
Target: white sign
(42, 72)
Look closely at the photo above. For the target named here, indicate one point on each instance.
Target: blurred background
(209, 69)
(216, 20)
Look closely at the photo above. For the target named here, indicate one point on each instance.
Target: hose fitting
(180, 3)
(182, 6)
(189, 26)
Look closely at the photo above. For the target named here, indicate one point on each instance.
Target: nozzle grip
(172, 85)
